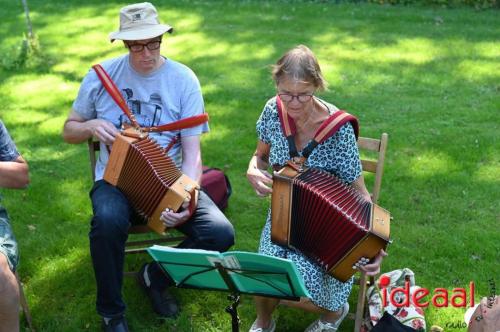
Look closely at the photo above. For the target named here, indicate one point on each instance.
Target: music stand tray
(237, 272)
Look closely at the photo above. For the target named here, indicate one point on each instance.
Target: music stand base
(233, 311)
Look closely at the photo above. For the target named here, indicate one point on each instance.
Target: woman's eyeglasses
(288, 97)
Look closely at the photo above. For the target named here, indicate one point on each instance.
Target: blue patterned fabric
(8, 244)
(338, 155)
(8, 151)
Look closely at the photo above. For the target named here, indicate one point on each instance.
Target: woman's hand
(373, 268)
(260, 180)
(257, 173)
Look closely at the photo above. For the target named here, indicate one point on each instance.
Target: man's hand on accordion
(104, 131)
(174, 219)
(373, 268)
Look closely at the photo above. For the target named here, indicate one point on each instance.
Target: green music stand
(236, 272)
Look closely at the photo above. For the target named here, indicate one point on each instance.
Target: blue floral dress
(338, 155)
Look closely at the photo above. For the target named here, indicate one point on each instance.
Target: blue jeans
(207, 229)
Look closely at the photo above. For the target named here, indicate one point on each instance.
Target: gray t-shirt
(170, 93)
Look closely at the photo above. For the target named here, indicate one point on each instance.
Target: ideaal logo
(459, 298)
(400, 296)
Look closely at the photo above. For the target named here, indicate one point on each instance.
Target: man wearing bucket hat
(158, 90)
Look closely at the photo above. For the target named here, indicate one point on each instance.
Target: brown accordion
(150, 180)
(328, 221)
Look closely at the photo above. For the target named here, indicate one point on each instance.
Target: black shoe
(164, 304)
(118, 324)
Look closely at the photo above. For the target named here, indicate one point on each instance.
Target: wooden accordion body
(328, 221)
(139, 167)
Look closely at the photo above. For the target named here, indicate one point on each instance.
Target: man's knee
(107, 223)
(111, 211)
(225, 236)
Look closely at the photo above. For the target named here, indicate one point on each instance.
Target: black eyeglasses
(301, 98)
(152, 45)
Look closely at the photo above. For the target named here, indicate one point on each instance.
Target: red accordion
(139, 167)
(328, 221)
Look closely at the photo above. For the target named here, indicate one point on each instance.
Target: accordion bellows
(150, 180)
(328, 221)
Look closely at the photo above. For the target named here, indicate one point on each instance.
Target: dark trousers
(207, 229)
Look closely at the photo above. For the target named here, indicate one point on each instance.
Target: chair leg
(24, 304)
(360, 308)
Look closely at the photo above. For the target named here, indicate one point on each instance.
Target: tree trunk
(28, 21)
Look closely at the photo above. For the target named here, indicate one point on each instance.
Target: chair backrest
(374, 165)
(94, 147)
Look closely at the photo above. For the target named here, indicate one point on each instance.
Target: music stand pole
(235, 297)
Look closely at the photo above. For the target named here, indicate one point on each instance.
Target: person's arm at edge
(14, 174)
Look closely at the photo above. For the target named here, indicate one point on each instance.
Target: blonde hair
(299, 64)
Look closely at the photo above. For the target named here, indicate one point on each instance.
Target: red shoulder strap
(328, 128)
(334, 123)
(287, 123)
(288, 127)
(189, 122)
(113, 91)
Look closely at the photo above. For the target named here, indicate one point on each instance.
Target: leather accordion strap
(113, 91)
(288, 126)
(189, 122)
(327, 129)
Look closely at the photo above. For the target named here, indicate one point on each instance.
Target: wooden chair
(373, 165)
(132, 246)
(24, 303)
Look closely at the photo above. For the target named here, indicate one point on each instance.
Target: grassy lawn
(429, 77)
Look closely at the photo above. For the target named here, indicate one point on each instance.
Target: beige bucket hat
(139, 21)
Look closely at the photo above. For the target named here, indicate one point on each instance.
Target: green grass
(429, 77)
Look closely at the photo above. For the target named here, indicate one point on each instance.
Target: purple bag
(216, 185)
